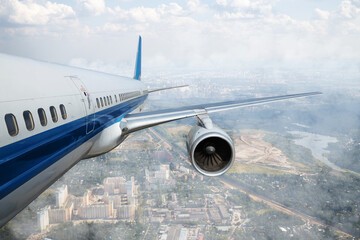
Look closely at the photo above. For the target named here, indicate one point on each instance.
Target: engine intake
(211, 151)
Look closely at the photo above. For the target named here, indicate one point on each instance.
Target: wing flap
(138, 121)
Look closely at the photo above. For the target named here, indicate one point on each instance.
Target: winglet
(137, 73)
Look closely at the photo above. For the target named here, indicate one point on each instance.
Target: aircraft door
(88, 103)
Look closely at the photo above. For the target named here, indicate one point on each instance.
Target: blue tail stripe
(137, 74)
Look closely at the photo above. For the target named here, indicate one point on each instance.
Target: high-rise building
(43, 218)
(115, 199)
(126, 211)
(61, 196)
(97, 211)
(86, 198)
(63, 214)
(130, 187)
(115, 185)
(158, 175)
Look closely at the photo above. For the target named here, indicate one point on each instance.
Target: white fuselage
(33, 154)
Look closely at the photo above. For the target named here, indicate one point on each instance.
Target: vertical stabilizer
(137, 73)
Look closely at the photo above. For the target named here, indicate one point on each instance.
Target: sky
(193, 34)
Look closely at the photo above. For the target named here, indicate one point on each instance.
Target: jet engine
(210, 149)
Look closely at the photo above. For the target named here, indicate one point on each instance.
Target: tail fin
(137, 73)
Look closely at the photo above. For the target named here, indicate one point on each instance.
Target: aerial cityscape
(287, 181)
(296, 170)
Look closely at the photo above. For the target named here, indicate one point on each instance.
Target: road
(168, 145)
(146, 232)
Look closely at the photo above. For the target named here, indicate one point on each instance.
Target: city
(147, 189)
(172, 201)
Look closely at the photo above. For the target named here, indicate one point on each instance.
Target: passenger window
(107, 97)
(102, 103)
(63, 111)
(119, 97)
(111, 100)
(105, 101)
(115, 98)
(11, 124)
(42, 117)
(97, 102)
(29, 121)
(53, 113)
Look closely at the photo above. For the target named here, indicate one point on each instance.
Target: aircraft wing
(167, 88)
(138, 121)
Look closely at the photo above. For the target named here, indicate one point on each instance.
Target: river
(317, 144)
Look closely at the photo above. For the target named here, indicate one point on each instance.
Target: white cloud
(240, 3)
(171, 9)
(29, 12)
(322, 14)
(348, 9)
(142, 14)
(193, 4)
(138, 14)
(221, 2)
(234, 9)
(192, 33)
(95, 7)
(113, 27)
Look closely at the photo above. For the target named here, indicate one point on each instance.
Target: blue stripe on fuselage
(22, 160)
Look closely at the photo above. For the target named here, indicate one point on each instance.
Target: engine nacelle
(211, 151)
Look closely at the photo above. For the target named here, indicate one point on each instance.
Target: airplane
(52, 116)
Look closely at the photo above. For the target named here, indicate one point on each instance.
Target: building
(63, 214)
(116, 185)
(214, 215)
(86, 198)
(130, 187)
(43, 218)
(61, 196)
(98, 211)
(189, 214)
(173, 197)
(117, 200)
(183, 234)
(158, 175)
(125, 212)
(158, 172)
(57, 215)
(162, 156)
(159, 214)
(224, 213)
